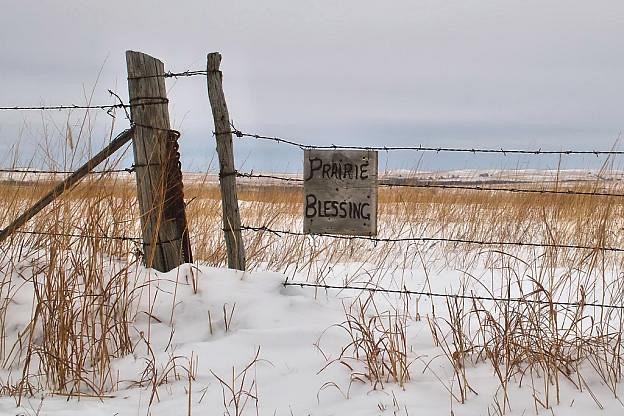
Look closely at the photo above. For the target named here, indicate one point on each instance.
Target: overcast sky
(518, 74)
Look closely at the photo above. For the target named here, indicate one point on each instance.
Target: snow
(297, 335)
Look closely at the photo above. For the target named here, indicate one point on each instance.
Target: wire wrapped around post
(174, 207)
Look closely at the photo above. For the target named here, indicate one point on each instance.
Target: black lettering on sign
(340, 191)
(336, 170)
(343, 210)
(315, 164)
(330, 208)
(310, 210)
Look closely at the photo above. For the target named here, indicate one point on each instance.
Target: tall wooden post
(159, 179)
(227, 172)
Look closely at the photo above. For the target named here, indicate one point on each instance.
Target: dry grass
(378, 341)
(239, 388)
(84, 287)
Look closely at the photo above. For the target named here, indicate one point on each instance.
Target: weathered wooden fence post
(156, 160)
(68, 183)
(227, 172)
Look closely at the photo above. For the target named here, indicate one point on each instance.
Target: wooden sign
(340, 188)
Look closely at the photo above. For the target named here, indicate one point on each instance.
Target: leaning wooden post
(68, 183)
(227, 173)
(158, 175)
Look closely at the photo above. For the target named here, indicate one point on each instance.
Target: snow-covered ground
(216, 341)
(297, 338)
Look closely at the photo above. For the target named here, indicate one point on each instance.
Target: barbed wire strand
(421, 148)
(493, 189)
(442, 186)
(130, 169)
(280, 233)
(79, 107)
(169, 74)
(452, 296)
(64, 107)
(76, 235)
(66, 172)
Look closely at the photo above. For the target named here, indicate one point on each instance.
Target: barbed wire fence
(110, 109)
(414, 183)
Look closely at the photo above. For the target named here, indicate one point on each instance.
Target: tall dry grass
(84, 284)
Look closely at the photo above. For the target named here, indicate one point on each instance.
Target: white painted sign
(340, 192)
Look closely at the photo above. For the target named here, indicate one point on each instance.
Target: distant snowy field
(468, 175)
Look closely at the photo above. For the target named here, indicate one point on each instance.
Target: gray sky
(523, 74)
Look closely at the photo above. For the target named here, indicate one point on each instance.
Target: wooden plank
(67, 184)
(163, 239)
(227, 172)
(340, 192)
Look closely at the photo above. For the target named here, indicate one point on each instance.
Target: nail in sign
(340, 188)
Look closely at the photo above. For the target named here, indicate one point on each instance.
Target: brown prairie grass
(378, 340)
(84, 284)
